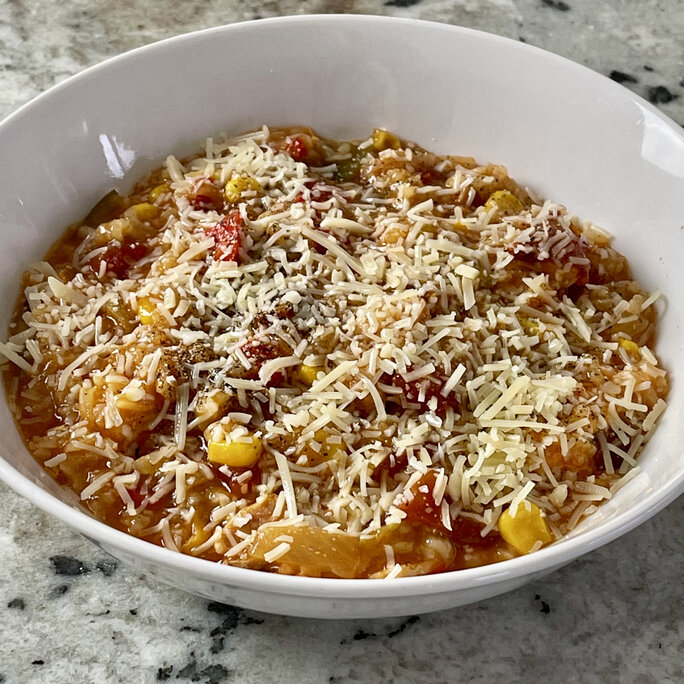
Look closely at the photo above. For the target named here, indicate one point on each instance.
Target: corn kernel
(506, 202)
(524, 530)
(307, 374)
(530, 326)
(156, 192)
(146, 211)
(393, 235)
(329, 447)
(236, 454)
(629, 346)
(327, 451)
(238, 185)
(147, 311)
(384, 140)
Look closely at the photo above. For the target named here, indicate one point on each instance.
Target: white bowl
(569, 133)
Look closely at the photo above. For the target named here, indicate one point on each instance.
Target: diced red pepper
(114, 262)
(259, 351)
(428, 387)
(206, 195)
(298, 149)
(119, 258)
(422, 507)
(318, 192)
(467, 531)
(392, 465)
(228, 237)
(137, 497)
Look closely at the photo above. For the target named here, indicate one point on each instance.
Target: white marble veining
(70, 614)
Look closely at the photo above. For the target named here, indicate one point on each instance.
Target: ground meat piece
(173, 367)
(196, 353)
(168, 372)
(285, 310)
(281, 311)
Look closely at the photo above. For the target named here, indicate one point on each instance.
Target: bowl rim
(543, 560)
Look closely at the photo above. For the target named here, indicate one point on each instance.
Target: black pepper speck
(68, 566)
(660, 95)
(37, 662)
(648, 67)
(622, 77)
(17, 603)
(401, 3)
(133, 611)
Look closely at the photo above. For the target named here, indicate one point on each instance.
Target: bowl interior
(568, 133)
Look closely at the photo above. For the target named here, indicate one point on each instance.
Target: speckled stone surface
(70, 614)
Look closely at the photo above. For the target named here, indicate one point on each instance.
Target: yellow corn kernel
(147, 311)
(506, 202)
(329, 447)
(384, 140)
(328, 450)
(238, 185)
(146, 211)
(530, 326)
(236, 454)
(629, 346)
(156, 192)
(525, 529)
(307, 374)
(393, 235)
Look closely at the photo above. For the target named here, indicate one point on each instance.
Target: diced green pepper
(111, 206)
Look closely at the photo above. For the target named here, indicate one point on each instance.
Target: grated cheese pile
(399, 347)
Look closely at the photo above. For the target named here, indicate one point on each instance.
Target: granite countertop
(69, 613)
